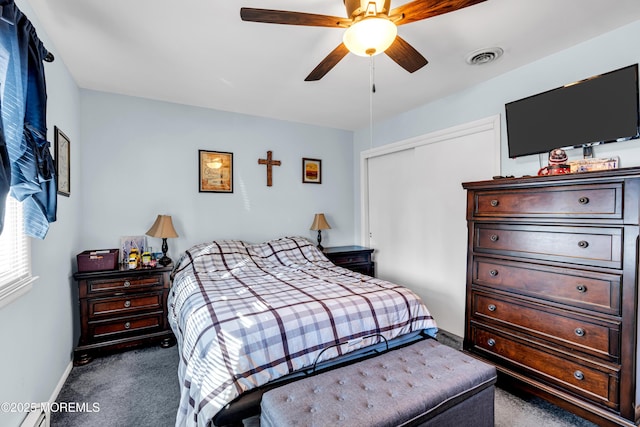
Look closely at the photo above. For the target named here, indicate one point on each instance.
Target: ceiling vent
(484, 56)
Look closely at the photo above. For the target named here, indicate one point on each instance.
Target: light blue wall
(611, 51)
(37, 330)
(140, 159)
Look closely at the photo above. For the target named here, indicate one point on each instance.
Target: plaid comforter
(246, 314)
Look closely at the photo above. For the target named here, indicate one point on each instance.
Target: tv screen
(600, 109)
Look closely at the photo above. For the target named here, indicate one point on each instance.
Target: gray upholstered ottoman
(424, 384)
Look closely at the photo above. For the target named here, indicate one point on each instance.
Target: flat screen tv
(597, 110)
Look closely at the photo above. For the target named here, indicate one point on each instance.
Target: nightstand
(355, 258)
(121, 309)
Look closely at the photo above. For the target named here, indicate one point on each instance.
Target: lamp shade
(163, 228)
(320, 223)
(370, 36)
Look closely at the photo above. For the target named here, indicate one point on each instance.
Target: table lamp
(163, 228)
(320, 223)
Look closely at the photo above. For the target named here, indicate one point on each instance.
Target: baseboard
(449, 339)
(63, 379)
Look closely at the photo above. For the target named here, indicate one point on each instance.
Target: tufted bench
(423, 384)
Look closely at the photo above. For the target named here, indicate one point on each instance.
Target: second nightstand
(355, 258)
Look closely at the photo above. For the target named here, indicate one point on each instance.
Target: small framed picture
(215, 172)
(62, 152)
(311, 171)
(129, 242)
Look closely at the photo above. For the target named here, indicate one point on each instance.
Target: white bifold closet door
(416, 215)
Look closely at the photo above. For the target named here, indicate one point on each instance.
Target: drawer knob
(579, 332)
(492, 307)
(127, 304)
(127, 284)
(583, 244)
(581, 288)
(583, 200)
(495, 203)
(491, 342)
(578, 375)
(494, 237)
(493, 273)
(127, 325)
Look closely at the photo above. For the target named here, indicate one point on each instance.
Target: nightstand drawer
(358, 258)
(124, 284)
(354, 258)
(126, 304)
(111, 329)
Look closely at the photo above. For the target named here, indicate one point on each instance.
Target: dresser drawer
(599, 338)
(596, 382)
(577, 201)
(125, 304)
(580, 245)
(124, 284)
(132, 325)
(588, 290)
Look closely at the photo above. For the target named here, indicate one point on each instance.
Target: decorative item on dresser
(122, 308)
(319, 223)
(163, 228)
(355, 258)
(552, 271)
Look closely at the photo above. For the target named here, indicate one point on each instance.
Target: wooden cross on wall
(269, 162)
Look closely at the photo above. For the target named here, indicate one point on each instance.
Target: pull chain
(373, 90)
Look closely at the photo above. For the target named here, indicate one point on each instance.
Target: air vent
(484, 56)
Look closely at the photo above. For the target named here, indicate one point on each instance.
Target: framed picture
(128, 242)
(62, 162)
(312, 171)
(215, 172)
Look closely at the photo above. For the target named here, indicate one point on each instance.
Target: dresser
(551, 293)
(355, 258)
(122, 308)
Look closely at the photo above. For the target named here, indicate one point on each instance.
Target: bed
(249, 315)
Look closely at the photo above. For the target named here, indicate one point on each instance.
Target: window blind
(15, 264)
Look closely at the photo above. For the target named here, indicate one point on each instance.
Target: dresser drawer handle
(583, 244)
(579, 332)
(127, 304)
(494, 237)
(581, 288)
(578, 375)
(493, 273)
(127, 284)
(495, 203)
(492, 307)
(491, 342)
(583, 200)
(127, 325)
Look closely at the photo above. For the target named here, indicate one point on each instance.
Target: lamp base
(164, 261)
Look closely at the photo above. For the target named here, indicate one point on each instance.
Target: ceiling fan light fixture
(370, 36)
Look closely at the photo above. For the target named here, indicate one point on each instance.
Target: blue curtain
(23, 111)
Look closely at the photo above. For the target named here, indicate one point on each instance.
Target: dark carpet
(139, 388)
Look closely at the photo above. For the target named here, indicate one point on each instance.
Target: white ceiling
(199, 52)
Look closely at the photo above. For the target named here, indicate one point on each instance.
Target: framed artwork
(215, 172)
(128, 242)
(311, 171)
(62, 162)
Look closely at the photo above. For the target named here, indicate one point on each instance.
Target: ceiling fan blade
(418, 10)
(405, 55)
(328, 63)
(292, 18)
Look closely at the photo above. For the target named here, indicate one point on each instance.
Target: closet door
(416, 216)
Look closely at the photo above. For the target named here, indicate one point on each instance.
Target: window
(15, 262)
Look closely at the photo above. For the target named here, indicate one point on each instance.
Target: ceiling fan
(373, 16)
